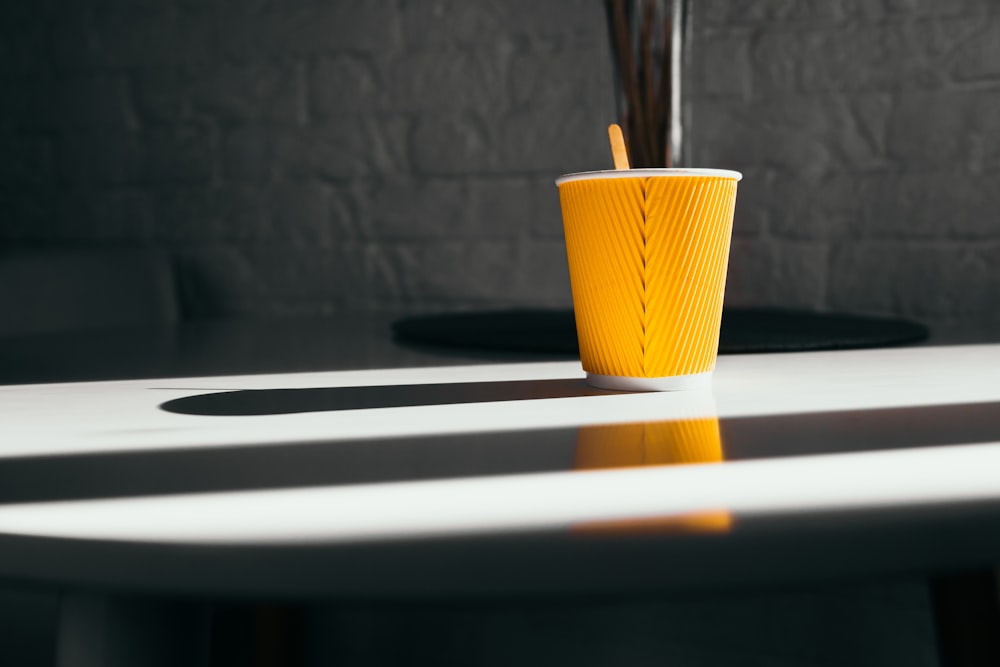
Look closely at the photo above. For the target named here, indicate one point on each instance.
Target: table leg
(967, 615)
(117, 631)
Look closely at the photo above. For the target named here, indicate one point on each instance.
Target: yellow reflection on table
(678, 442)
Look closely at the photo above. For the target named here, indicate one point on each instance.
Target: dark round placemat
(743, 330)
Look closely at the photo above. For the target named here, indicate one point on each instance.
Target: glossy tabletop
(395, 472)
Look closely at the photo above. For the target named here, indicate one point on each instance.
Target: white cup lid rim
(645, 173)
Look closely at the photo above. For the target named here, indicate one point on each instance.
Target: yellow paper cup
(648, 251)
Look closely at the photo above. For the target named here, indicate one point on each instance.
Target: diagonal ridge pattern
(648, 259)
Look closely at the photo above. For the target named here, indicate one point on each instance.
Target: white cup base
(668, 383)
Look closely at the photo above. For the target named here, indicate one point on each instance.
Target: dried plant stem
(648, 88)
(645, 92)
(633, 121)
(666, 92)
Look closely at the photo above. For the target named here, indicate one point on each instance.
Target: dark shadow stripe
(284, 465)
(362, 461)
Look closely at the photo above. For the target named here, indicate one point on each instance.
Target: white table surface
(48, 421)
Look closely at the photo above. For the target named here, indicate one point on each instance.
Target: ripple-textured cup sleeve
(647, 259)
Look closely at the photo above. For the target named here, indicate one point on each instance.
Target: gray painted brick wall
(869, 134)
(311, 156)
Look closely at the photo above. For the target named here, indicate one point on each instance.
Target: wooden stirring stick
(618, 151)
